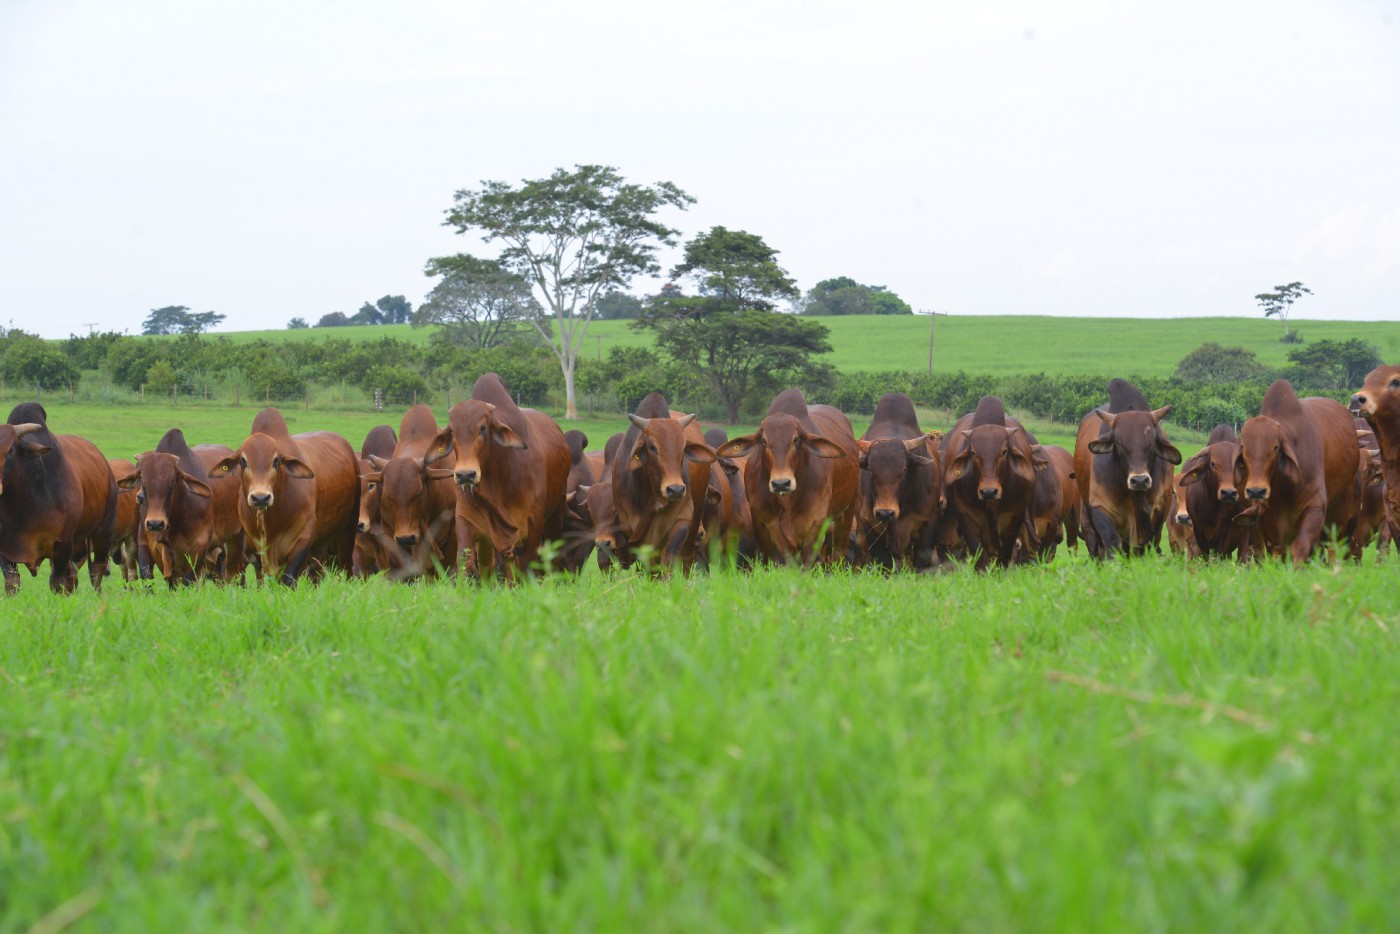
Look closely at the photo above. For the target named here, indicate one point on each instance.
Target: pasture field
(990, 343)
(1143, 746)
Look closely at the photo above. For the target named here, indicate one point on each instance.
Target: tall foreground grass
(1145, 746)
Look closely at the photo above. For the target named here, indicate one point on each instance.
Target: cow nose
(406, 541)
(780, 486)
(1256, 492)
(885, 515)
(604, 542)
(155, 525)
(1183, 518)
(1139, 481)
(260, 500)
(675, 491)
(989, 494)
(1357, 401)
(362, 526)
(1228, 496)
(467, 477)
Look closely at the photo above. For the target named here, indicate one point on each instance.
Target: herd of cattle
(502, 488)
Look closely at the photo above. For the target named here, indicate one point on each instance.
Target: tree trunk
(570, 400)
(732, 405)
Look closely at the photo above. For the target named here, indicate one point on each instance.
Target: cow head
(263, 470)
(10, 443)
(1136, 441)
(1178, 506)
(598, 501)
(371, 483)
(1214, 468)
(784, 446)
(160, 480)
(992, 455)
(1379, 394)
(405, 501)
(888, 462)
(473, 430)
(659, 455)
(1262, 457)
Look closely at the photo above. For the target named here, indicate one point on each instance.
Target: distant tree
(1337, 365)
(89, 352)
(336, 319)
(296, 324)
(1211, 363)
(30, 361)
(161, 377)
(1276, 304)
(572, 236)
(730, 335)
(199, 323)
(888, 303)
(845, 296)
(618, 306)
(168, 320)
(394, 309)
(367, 314)
(478, 304)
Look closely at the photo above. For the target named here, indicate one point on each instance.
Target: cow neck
(1387, 435)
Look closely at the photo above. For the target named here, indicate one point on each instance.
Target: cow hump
(418, 425)
(489, 387)
(989, 411)
(894, 418)
(1123, 396)
(173, 442)
(380, 442)
(1281, 401)
(577, 442)
(1222, 432)
(271, 423)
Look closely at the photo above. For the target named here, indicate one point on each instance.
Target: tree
(729, 334)
(478, 304)
(167, 320)
(367, 314)
(845, 296)
(1211, 363)
(198, 324)
(572, 236)
(30, 361)
(1336, 365)
(394, 309)
(296, 324)
(1276, 304)
(618, 306)
(335, 319)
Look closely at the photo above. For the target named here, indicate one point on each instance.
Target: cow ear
(920, 459)
(378, 462)
(298, 469)
(440, 448)
(223, 467)
(33, 448)
(195, 486)
(824, 447)
(1039, 459)
(1021, 465)
(1194, 469)
(1169, 452)
(505, 436)
(956, 466)
(699, 453)
(374, 476)
(934, 437)
(129, 481)
(441, 473)
(738, 447)
(1101, 445)
(730, 467)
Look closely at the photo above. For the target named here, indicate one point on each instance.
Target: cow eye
(482, 432)
(1395, 383)
(797, 441)
(243, 462)
(141, 497)
(371, 486)
(276, 462)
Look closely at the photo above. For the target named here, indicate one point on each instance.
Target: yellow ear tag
(441, 449)
(958, 472)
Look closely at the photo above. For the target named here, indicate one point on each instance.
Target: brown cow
(1207, 496)
(186, 521)
(1298, 460)
(800, 478)
(511, 465)
(1378, 402)
(124, 531)
(1123, 463)
(730, 470)
(990, 467)
(1054, 508)
(901, 487)
(416, 510)
(58, 502)
(584, 471)
(369, 556)
(1371, 523)
(298, 498)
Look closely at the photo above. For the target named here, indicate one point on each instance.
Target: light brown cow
(369, 555)
(416, 509)
(1378, 401)
(298, 498)
(124, 531)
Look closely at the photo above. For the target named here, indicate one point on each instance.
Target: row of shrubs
(404, 372)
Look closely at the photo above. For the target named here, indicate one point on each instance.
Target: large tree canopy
(572, 236)
(845, 296)
(478, 304)
(178, 319)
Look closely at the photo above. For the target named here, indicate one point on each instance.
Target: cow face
(405, 504)
(888, 462)
(472, 431)
(784, 446)
(1214, 469)
(1178, 505)
(660, 453)
(371, 483)
(161, 481)
(11, 444)
(263, 470)
(1136, 441)
(597, 500)
(1261, 457)
(992, 455)
(1379, 395)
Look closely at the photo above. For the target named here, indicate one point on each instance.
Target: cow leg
(295, 566)
(1105, 533)
(143, 557)
(1309, 534)
(63, 577)
(11, 572)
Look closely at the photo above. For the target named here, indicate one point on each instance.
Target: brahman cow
(901, 487)
(989, 468)
(369, 556)
(416, 510)
(125, 536)
(1378, 402)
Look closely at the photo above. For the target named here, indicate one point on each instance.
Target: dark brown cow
(660, 478)
(369, 555)
(298, 498)
(1298, 460)
(416, 509)
(740, 523)
(187, 521)
(593, 503)
(1207, 498)
(124, 530)
(901, 487)
(1123, 463)
(1378, 402)
(511, 465)
(1054, 508)
(1371, 523)
(990, 466)
(584, 471)
(58, 502)
(800, 477)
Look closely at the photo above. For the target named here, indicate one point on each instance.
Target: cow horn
(25, 428)
(377, 461)
(638, 421)
(685, 419)
(915, 445)
(1106, 416)
(490, 407)
(1163, 412)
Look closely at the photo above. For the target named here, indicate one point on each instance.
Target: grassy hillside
(994, 344)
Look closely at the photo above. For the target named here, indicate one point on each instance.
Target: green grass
(1149, 746)
(993, 344)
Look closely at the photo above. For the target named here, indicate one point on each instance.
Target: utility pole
(91, 326)
(932, 320)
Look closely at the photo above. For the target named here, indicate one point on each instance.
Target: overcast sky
(268, 160)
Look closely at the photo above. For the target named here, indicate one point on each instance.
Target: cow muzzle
(886, 515)
(1139, 482)
(406, 541)
(1256, 492)
(1183, 518)
(155, 525)
(675, 491)
(989, 494)
(1359, 406)
(467, 477)
(362, 526)
(259, 500)
(781, 486)
(1227, 496)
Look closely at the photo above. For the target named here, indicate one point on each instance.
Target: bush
(400, 384)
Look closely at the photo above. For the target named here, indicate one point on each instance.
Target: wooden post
(932, 320)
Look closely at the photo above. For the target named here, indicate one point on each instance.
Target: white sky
(276, 159)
